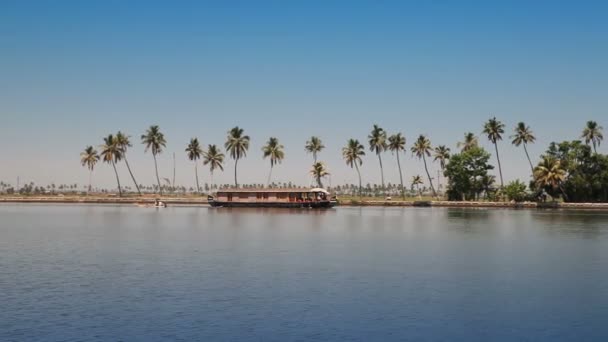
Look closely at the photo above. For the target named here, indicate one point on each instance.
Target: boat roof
(273, 190)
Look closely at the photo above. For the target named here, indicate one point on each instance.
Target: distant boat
(273, 198)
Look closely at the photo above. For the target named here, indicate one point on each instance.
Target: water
(110, 273)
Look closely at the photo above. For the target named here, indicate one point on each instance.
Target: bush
(515, 191)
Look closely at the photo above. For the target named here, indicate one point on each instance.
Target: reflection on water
(106, 273)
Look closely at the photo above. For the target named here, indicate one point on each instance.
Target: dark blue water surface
(110, 273)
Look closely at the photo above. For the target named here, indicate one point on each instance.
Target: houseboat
(273, 198)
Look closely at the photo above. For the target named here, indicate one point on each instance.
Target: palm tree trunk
(236, 161)
(198, 188)
(381, 173)
(160, 189)
(359, 174)
(131, 173)
(90, 180)
(314, 156)
(594, 150)
(529, 161)
(269, 175)
(400, 176)
(117, 179)
(502, 184)
(429, 175)
(319, 183)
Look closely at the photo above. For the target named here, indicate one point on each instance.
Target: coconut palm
(237, 145)
(194, 153)
(593, 133)
(523, 136)
(319, 171)
(274, 151)
(470, 141)
(442, 153)
(215, 158)
(422, 149)
(416, 182)
(377, 144)
(89, 158)
(155, 141)
(396, 143)
(314, 146)
(550, 173)
(124, 143)
(352, 154)
(112, 153)
(494, 129)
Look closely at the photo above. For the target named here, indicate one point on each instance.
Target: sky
(72, 72)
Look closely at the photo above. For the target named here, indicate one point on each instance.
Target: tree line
(568, 169)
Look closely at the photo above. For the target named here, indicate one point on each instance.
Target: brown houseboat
(275, 198)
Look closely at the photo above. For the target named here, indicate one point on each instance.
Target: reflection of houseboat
(276, 198)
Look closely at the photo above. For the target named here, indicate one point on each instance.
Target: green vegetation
(155, 141)
(377, 144)
(352, 154)
(314, 146)
(422, 149)
(494, 130)
(515, 191)
(319, 171)
(523, 136)
(396, 143)
(194, 152)
(124, 143)
(111, 153)
(88, 158)
(467, 174)
(274, 151)
(237, 145)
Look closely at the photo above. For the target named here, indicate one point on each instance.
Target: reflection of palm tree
(155, 141)
(112, 153)
(124, 144)
(470, 142)
(275, 152)
(550, 174)
(593, 133)
(377, 144)
(237, 145)
(194, 153)
(215, 158)
(494, 130)
(416, 182)
(442, 153)
(314, 146)
(396, 143)
(88, 158)
(523, 135)
(319, 171)
(422, 149)
(352, 154)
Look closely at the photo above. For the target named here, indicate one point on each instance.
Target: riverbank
(202, 201)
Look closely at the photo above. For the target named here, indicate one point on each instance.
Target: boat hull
(314, 205)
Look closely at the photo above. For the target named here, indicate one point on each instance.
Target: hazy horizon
(73, 72)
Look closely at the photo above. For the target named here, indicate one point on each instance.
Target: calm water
(109, 273)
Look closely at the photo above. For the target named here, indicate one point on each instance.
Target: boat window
(229, 197)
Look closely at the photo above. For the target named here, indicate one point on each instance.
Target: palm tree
(396, 143)
(314, 146)
(215, 158)
(352, 154)
(593, 133)
(470, 141)
(124, 144)
(523, 135)
(493, 128)
(274, 150)
(237, 144)
(111, 153)
(416, 182)
(155, 141)
(89, 158)
(194, 153)
(422, 149)
(550, 173)
(377, 144)
(319, 171)
(442, 153)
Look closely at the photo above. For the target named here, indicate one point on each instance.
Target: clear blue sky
(74, 71)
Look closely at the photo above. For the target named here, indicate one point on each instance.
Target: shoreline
(203, 202)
